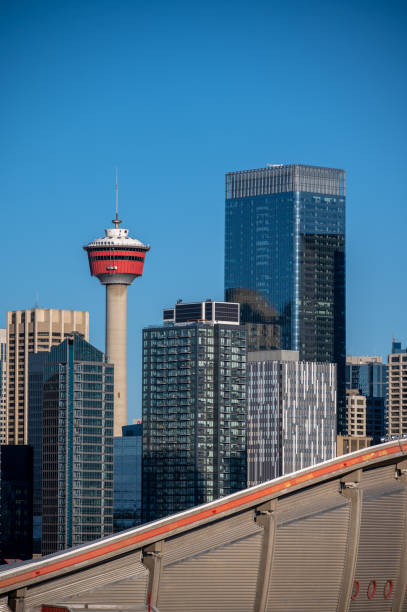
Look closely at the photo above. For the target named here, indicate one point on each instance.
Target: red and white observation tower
(116, 260)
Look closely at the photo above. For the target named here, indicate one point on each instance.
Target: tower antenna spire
(116, 222)
(116, 260)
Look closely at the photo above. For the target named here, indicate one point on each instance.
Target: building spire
(116, 222)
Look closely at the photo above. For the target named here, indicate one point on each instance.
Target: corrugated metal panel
(210, 536)
(308, 562)
(61, 589)
(381, 538)
(325, 496)
(65, 561)
(124, 593)
(4, 605)
(222, 580)
(377, 476)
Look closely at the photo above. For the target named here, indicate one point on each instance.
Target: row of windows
(115, 258)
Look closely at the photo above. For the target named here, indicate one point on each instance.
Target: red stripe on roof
(200, 515)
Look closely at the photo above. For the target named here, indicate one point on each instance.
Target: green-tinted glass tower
(194, 408)
(285, 261)
(77, 466)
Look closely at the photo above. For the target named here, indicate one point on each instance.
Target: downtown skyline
(75, 109)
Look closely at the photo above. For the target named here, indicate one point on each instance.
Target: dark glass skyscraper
(16, 492)
(285, 261)
(36, 362)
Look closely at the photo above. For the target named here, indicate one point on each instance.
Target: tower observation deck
(116, 260)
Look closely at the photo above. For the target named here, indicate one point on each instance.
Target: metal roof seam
(169, 525)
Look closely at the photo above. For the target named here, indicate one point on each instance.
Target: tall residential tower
(33, 331)
(397, 390)
(285, 261)
(117, 260)
(291, 414)
(194, 407)
(3, 386)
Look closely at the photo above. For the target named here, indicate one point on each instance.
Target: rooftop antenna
(116, 222)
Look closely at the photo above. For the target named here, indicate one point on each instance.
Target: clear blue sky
(175, 94)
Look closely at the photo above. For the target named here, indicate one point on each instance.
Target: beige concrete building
(350, 444)
(363, 359)
(397, 391)
(356, 412)
(3, 381)
(32, 331)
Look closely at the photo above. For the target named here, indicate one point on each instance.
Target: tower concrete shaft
(116, 260)
(116, 350)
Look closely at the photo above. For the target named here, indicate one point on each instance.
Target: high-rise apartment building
(127, 453)
(368, 375)
(77, 460)
(32, 331)
(285, 261)
(194, 407)
(397, 391)
(3, 384)
(291, 414)
(356, 417)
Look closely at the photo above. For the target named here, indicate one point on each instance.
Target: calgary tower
(117, 259)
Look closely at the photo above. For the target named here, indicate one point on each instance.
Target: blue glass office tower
(77, 442)
(285, 261)
(127, 477)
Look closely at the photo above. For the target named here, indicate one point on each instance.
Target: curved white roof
(117, 237)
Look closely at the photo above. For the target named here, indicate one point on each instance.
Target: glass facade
(36, 363)
(285, 261)
(291, 415)
(194, 415)
(127, 478)
(77, 474)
